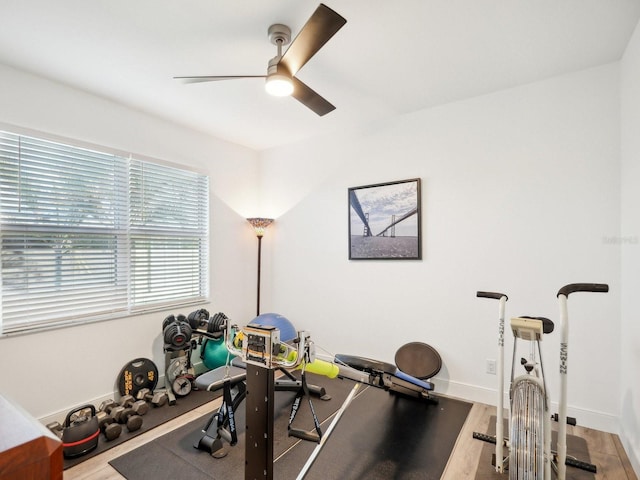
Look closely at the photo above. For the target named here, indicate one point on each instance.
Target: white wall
(521, 194)
(630, 243)
(51, 372)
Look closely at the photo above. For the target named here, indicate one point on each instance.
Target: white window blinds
(87, 235)
(168, 233)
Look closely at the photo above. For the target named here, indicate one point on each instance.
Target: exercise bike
(529, 444)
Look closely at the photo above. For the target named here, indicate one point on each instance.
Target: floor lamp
(259, 225)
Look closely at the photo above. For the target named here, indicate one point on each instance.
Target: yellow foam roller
(320, 367)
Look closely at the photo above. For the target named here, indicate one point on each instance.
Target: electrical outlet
(491, 367)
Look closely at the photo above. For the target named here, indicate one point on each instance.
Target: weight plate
(182, 385)
(136, 375)
(177, 367)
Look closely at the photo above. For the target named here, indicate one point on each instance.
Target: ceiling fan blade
(321, 26)
(310, 99)
(215, 78)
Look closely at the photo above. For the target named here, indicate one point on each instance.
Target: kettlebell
(80, 436)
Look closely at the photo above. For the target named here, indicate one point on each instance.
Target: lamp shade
(260, 224)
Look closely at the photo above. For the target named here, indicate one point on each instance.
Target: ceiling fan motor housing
(276, 67)
(279, 35)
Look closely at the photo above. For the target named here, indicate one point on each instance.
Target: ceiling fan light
(279, 85)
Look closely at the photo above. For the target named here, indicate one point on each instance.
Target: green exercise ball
(214, 353)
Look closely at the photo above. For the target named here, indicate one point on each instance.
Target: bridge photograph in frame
(384, 221)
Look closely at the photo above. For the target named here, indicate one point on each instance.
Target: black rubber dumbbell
(140, 407)
(108, 426)
(131, 419)
(157, 399)
(56, 428)
(125, 415)
(127, 400)
(116, 413)
(107, 406)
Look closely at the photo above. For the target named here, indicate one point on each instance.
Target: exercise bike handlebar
(563, 296)
(583, 287)
(494, 295)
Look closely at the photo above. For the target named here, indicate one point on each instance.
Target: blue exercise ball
(287, 330)
(214, 353)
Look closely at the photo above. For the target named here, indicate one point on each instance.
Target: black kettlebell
(80, 436)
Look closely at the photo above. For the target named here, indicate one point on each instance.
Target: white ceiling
(391, 57)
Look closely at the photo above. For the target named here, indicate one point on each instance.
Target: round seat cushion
(418, 360)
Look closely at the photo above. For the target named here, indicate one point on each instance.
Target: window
(87, 235)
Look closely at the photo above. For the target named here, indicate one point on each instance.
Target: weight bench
(415, 358)
(415, 363)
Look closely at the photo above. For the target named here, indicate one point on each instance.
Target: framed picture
(384, 221)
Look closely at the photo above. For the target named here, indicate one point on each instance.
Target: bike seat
(547, 325)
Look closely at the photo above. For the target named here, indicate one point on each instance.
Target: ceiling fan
(280, 77)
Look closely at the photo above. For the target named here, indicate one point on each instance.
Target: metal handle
(67, 420)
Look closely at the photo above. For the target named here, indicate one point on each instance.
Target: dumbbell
(131, 419)
(125, 415)
(140, 407)
(108, 410)
(107, 406)
(111, 408)
(122, 414)
(157, 399)
(56, 428)
(108, 426)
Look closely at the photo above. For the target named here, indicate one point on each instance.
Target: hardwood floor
(605, 449)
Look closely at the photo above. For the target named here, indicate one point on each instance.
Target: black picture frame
(385, 221)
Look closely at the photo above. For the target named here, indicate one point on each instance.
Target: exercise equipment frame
(556, 460)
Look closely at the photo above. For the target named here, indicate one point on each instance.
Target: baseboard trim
(603, 421)
(632, 464)
(96, 401)
(587, 418)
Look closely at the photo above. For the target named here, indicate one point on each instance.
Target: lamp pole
(259, 225)
(259, 263)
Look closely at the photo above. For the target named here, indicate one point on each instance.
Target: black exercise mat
(174, 452)
(379, 436)
(385, 436)
(154, 418)
(576, 447)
